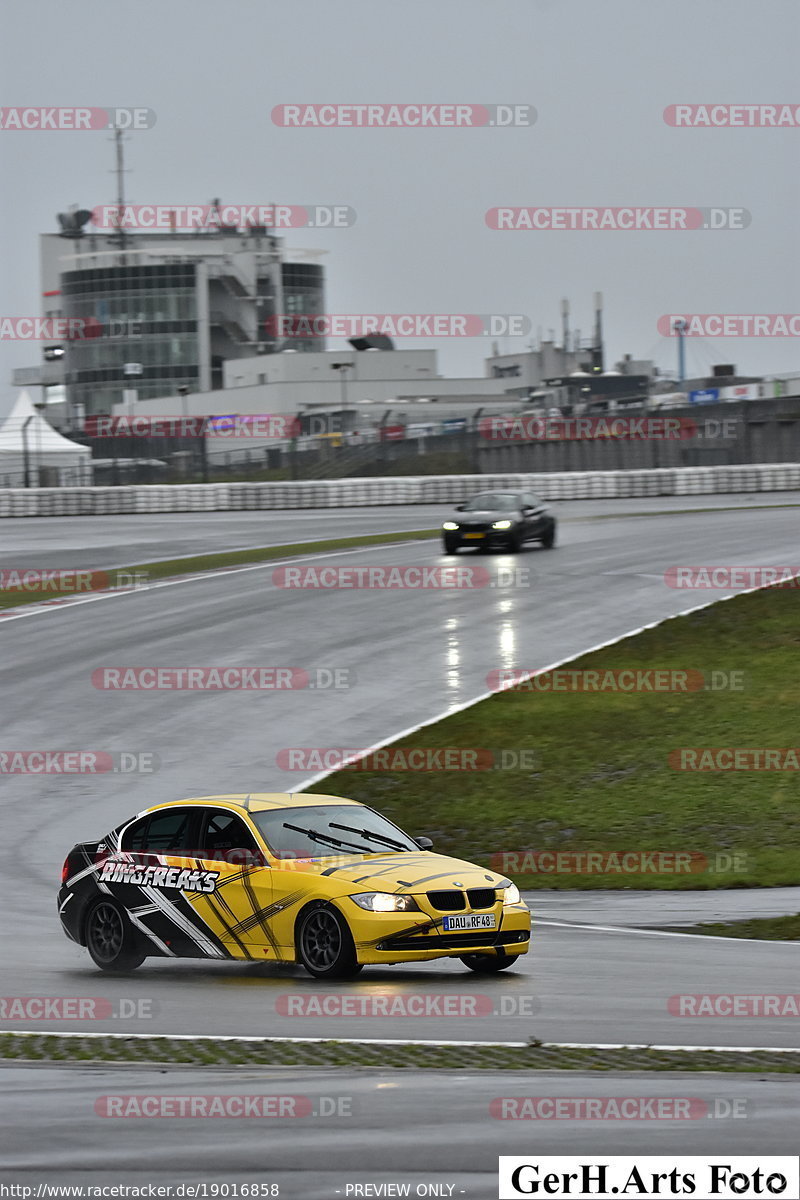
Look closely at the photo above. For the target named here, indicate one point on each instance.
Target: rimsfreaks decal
(184, 880)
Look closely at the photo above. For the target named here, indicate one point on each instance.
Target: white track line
(56, 605)
(667, 933)
(311, 1041)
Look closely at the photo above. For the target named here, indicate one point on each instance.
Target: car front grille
(455, 941)
(482, 897)
(480, 527)
(447, 901)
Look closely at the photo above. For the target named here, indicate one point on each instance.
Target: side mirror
(424, 843)
(459, 508)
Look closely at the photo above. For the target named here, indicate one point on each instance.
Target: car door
(536, 516)
(163, 885)
(241, 903)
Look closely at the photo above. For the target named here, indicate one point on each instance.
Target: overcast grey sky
(599, 73)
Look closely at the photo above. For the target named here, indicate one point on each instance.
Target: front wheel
(111, 940)
(325, 944)
(549, 539)
(450, 545)
(487, 964)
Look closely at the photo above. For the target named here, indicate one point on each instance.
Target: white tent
(67, 463)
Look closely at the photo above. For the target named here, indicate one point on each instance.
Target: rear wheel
(488, 964)
(325, 945)
(111, 940)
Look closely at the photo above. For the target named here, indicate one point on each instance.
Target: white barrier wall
(420, 489)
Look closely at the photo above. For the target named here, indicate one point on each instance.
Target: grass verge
(602, 780)
(206, 1052)
(770, 929)
(195, 563)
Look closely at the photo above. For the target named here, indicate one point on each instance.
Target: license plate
(472, 921)
(474, 535)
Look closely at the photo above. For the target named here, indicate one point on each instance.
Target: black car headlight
(449, 525)
(501, 524)
(385, 902)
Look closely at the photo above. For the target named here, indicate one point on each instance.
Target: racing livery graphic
(317, 880)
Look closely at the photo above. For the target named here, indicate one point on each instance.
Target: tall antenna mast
(120, 173)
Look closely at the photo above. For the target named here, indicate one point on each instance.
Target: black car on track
(505, 519)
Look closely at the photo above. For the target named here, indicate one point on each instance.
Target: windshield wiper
(367, 833)
(316, 836)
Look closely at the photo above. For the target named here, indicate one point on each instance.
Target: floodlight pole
(25, 453)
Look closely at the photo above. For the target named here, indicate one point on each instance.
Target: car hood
(476, 515)
(409, 872)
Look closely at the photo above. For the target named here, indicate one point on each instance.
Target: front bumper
(492, 537)
(400, 938)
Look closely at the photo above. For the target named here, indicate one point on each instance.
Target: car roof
(256, 801)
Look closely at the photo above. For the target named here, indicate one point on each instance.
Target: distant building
(177, 304)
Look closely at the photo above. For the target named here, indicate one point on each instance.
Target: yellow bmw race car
(308, 879)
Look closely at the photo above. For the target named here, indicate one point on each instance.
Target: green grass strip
(196, 563)
(769, 929)
(598, 776)
(204, 1052)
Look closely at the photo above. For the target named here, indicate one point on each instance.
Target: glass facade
(303, 292)
(147, 314)
(142, 314)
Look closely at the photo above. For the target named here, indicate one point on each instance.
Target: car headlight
(384, 902)
(511, 894)
(501, 525)
(449, 525)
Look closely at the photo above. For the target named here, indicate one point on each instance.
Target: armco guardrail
(420, 489)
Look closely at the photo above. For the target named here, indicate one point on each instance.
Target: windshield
(339, 828)
(493, 502)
